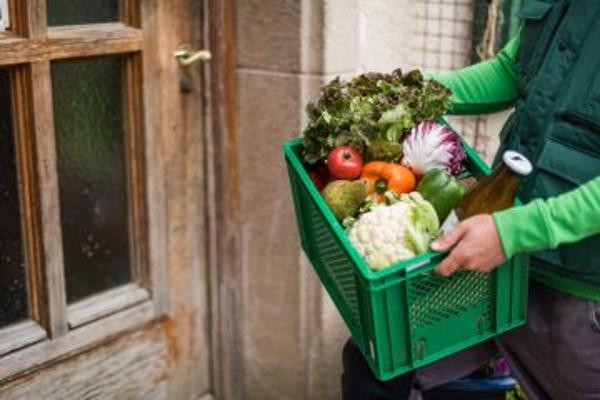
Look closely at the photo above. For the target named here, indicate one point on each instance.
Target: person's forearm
(488, 86)
(542, 224)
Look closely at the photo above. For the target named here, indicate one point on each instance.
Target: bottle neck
(504, 175)
(492, 193)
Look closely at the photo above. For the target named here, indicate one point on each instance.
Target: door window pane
(90, 141)
(70, 12)
(13, 292)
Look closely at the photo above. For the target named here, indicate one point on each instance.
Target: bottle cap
(517, 162)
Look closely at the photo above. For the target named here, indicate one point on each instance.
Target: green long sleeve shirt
(492, 86)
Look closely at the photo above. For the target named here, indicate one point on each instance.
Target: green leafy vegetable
(373, 109)
(381, 149)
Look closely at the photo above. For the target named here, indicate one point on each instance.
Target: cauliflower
(398, 231)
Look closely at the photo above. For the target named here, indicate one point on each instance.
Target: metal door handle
(186, 57)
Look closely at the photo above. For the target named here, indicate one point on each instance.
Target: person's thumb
(447, 241)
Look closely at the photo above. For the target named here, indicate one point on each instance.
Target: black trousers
(359, 383)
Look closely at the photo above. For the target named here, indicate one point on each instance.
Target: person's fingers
(447, 241)
(449, 264)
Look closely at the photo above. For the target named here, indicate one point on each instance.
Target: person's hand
(476, 243)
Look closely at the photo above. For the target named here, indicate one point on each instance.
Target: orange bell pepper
(382, 176)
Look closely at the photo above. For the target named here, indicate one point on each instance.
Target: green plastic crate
(404, 316)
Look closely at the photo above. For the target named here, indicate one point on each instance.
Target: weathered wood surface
(105, 303)
(28, 18)
(32, 17)
(135, 155)
(47, 267)
(19, 335)
(72, 41)
(34, 358)
(129, 368)
(181, 136)
(23, 104)
(223, 207)
(124, 354)
(153, 61)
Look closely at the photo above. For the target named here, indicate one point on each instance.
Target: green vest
(557, 117)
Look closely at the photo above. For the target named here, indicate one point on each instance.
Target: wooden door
(104, 279)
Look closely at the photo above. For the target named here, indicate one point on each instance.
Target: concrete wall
(286, 50)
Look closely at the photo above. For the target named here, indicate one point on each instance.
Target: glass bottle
(494, 192)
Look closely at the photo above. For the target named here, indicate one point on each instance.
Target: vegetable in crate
(431, 145)
(371, 113)
(442, 190)
(319, 176)
(382, 176)
(344, 162)
(391, 233)
(345, 197)
(380, 149)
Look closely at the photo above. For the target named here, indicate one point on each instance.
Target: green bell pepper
(442, 190)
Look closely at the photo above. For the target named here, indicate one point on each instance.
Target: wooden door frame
(223, 199)
(164, 323)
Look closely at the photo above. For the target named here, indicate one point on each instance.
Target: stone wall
(286, 49)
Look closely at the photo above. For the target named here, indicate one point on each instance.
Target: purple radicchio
(431, 145)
